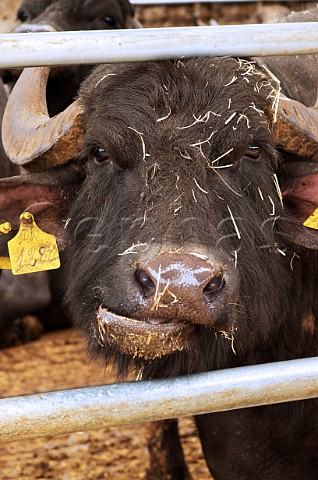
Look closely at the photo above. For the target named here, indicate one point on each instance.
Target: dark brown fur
(125, 200)
(154, 187)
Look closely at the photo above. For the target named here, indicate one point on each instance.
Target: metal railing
(90, 47)
(90, 408)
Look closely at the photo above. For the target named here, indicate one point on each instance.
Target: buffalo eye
(110, 22)
(253, 152)
(99, 156)
(22, 15)
(214, 285)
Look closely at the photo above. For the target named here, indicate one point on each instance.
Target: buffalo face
(181, 245)
(178, 219)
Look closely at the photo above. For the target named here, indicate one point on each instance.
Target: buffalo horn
(30, 137)
(34, 140)
(296, 128)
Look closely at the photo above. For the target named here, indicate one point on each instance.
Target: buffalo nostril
(145, 281)
(214, 285)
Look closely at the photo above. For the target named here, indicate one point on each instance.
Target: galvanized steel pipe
(92, 47)
(127, 403)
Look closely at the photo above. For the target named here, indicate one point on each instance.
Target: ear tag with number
(5, 263)
(32, 250)
(312, 221)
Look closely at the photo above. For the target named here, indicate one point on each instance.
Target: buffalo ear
(46, 195)
(300, 193)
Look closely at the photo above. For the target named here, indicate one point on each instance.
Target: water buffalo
(178, 190)
(64, 15)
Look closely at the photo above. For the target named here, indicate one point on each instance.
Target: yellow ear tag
(5, 263)
(32, 250)
(312, 221)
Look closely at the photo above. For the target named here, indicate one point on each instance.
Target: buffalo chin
(140, 339)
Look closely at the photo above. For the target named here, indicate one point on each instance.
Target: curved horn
(296, 128)
(30, 137)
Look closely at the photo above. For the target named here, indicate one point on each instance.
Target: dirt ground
(58, 360)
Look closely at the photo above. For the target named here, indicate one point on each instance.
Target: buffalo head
(166, 182)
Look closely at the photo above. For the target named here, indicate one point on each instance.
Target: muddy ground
(58, 360)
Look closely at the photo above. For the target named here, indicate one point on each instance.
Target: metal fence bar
(127, 403)
(92, 47)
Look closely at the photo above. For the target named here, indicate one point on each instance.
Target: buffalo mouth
(141, 339)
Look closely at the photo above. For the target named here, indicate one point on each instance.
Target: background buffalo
(65, 15)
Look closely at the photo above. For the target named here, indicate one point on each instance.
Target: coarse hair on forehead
(180, 84)
(180, 97)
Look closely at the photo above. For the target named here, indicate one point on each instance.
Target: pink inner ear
(303, 188)
(15, 199)
(302, 194)
(46, 203)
